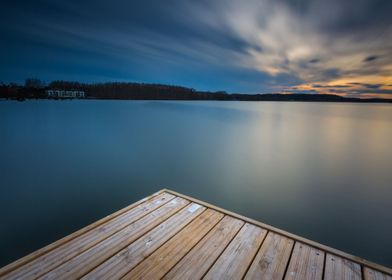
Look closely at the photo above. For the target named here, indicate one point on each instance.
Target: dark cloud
(300, 91)
(372, 91)
(369, 86)
(370, 58)
(314, 60)
(328, 86)
(372, 86)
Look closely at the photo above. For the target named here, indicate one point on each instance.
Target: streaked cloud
(325, 46)
(305, 43)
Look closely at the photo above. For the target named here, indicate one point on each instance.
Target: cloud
(314, 60)
(316, 45)
(320, 42)
(371, 58)
(349, 89)
(279, 40)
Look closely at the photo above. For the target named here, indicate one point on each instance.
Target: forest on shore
(36, 89)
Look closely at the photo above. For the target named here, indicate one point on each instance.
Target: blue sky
(247, 46)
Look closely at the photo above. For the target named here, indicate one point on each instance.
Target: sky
(240, 46)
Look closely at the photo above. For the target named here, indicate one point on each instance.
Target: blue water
(320, 170)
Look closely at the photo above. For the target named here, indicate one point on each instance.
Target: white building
(53, 93)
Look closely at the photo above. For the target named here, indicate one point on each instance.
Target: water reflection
(205, 110)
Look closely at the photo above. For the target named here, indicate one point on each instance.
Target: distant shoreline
(293, 99)
(64, 90)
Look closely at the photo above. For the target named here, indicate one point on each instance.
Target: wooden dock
(172, 236)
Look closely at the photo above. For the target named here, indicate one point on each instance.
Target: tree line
(36, 89)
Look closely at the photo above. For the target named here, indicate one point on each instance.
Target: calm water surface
(319, 170)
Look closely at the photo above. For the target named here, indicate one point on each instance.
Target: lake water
(319, 170)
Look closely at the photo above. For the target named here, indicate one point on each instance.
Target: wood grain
(67, 251)
(371, 274)
(295, 237)
(6, 270)
(88, 260)
(236, 258)
(127, 258)
(197, 262)
(272, 258)
(162, 260)
(339, 268)
(306, 263)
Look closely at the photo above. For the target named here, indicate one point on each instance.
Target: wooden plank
(301, 239)
(371, 274)
(79, 244)
(160, 262)
(306, 263)
(272, 258)
(235, 260)
(22, 261)
(339, 268)
(197, 262)
(126, 259)
(85, 262)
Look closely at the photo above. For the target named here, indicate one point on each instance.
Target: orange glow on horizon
(371, 86)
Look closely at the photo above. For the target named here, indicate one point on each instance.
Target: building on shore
(53, 93)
